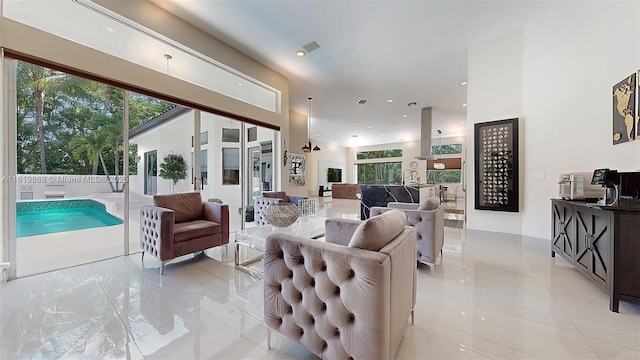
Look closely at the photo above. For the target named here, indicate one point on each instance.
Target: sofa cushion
(276, 195)
(430, 204)
(186, 206)
(376, 232)
(195, 229)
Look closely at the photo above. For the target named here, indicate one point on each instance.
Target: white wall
(317, 165)
(572, 58)
(556, 75)
(172, 137)
(494, 93)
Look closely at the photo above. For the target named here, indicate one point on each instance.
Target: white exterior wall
(175, 137)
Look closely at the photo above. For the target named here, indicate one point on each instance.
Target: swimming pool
(53, 216)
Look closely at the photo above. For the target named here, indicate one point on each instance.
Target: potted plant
(248, 215)
(173, 168)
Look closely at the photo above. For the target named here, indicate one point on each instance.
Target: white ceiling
(408, 51)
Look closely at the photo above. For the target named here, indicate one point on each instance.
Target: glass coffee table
(252, 240)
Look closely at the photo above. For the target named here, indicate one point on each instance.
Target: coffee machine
(610, 180)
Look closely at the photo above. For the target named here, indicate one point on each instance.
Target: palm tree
(41, 81)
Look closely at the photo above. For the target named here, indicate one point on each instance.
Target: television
(334, 175)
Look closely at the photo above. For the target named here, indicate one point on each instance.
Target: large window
(379, 154)
(444, 176)
(446, 149)
(230, 166)
(387, 173)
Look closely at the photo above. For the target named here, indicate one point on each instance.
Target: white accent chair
(348, 297)
(428, 220)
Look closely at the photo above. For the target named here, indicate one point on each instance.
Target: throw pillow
(430, 204)
(376, 232)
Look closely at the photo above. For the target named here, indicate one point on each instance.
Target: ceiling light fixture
(439, 165)
(168, 57)
(390, 100)
(369, 127)
(301, 53)
(464, 105)
(405, 115)
(307, 148)
(463, 83)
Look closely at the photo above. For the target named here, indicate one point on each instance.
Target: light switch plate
(537, 175)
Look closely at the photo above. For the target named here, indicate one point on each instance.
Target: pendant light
(438, 165)
(307, 148)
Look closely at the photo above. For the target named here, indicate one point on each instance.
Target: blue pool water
(46, 217)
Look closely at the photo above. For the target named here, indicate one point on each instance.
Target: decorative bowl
(281, 215)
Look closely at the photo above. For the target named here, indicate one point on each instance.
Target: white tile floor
(491, 297)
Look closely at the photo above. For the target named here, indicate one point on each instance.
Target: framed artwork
(624, 110)
(297, 169)
(496, 165)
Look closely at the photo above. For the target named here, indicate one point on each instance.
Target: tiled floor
(491, 297)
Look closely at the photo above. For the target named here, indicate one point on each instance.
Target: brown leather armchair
(181, 224)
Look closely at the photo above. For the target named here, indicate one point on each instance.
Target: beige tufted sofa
(268, 198)
(348, 297)
(429, 224)
(181, 224)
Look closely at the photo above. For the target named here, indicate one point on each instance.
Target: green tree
(173, 168)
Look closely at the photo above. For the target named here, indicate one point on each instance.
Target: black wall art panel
(496, 165)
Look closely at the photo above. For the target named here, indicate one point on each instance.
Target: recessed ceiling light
(239, 84)
(464, 105)
(301, 53)
(390, 100)
(462, 122)
(369, 127)
(463, 83)
(318, 135)
(109, 29)
(405, 115)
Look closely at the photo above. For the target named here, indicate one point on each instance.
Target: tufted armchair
(271, 197)
(428, 220)
(181, 224)
(348, 297)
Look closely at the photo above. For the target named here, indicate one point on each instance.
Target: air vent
(310, 46)
(362, 102)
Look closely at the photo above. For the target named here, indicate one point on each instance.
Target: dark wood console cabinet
(604, 244)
